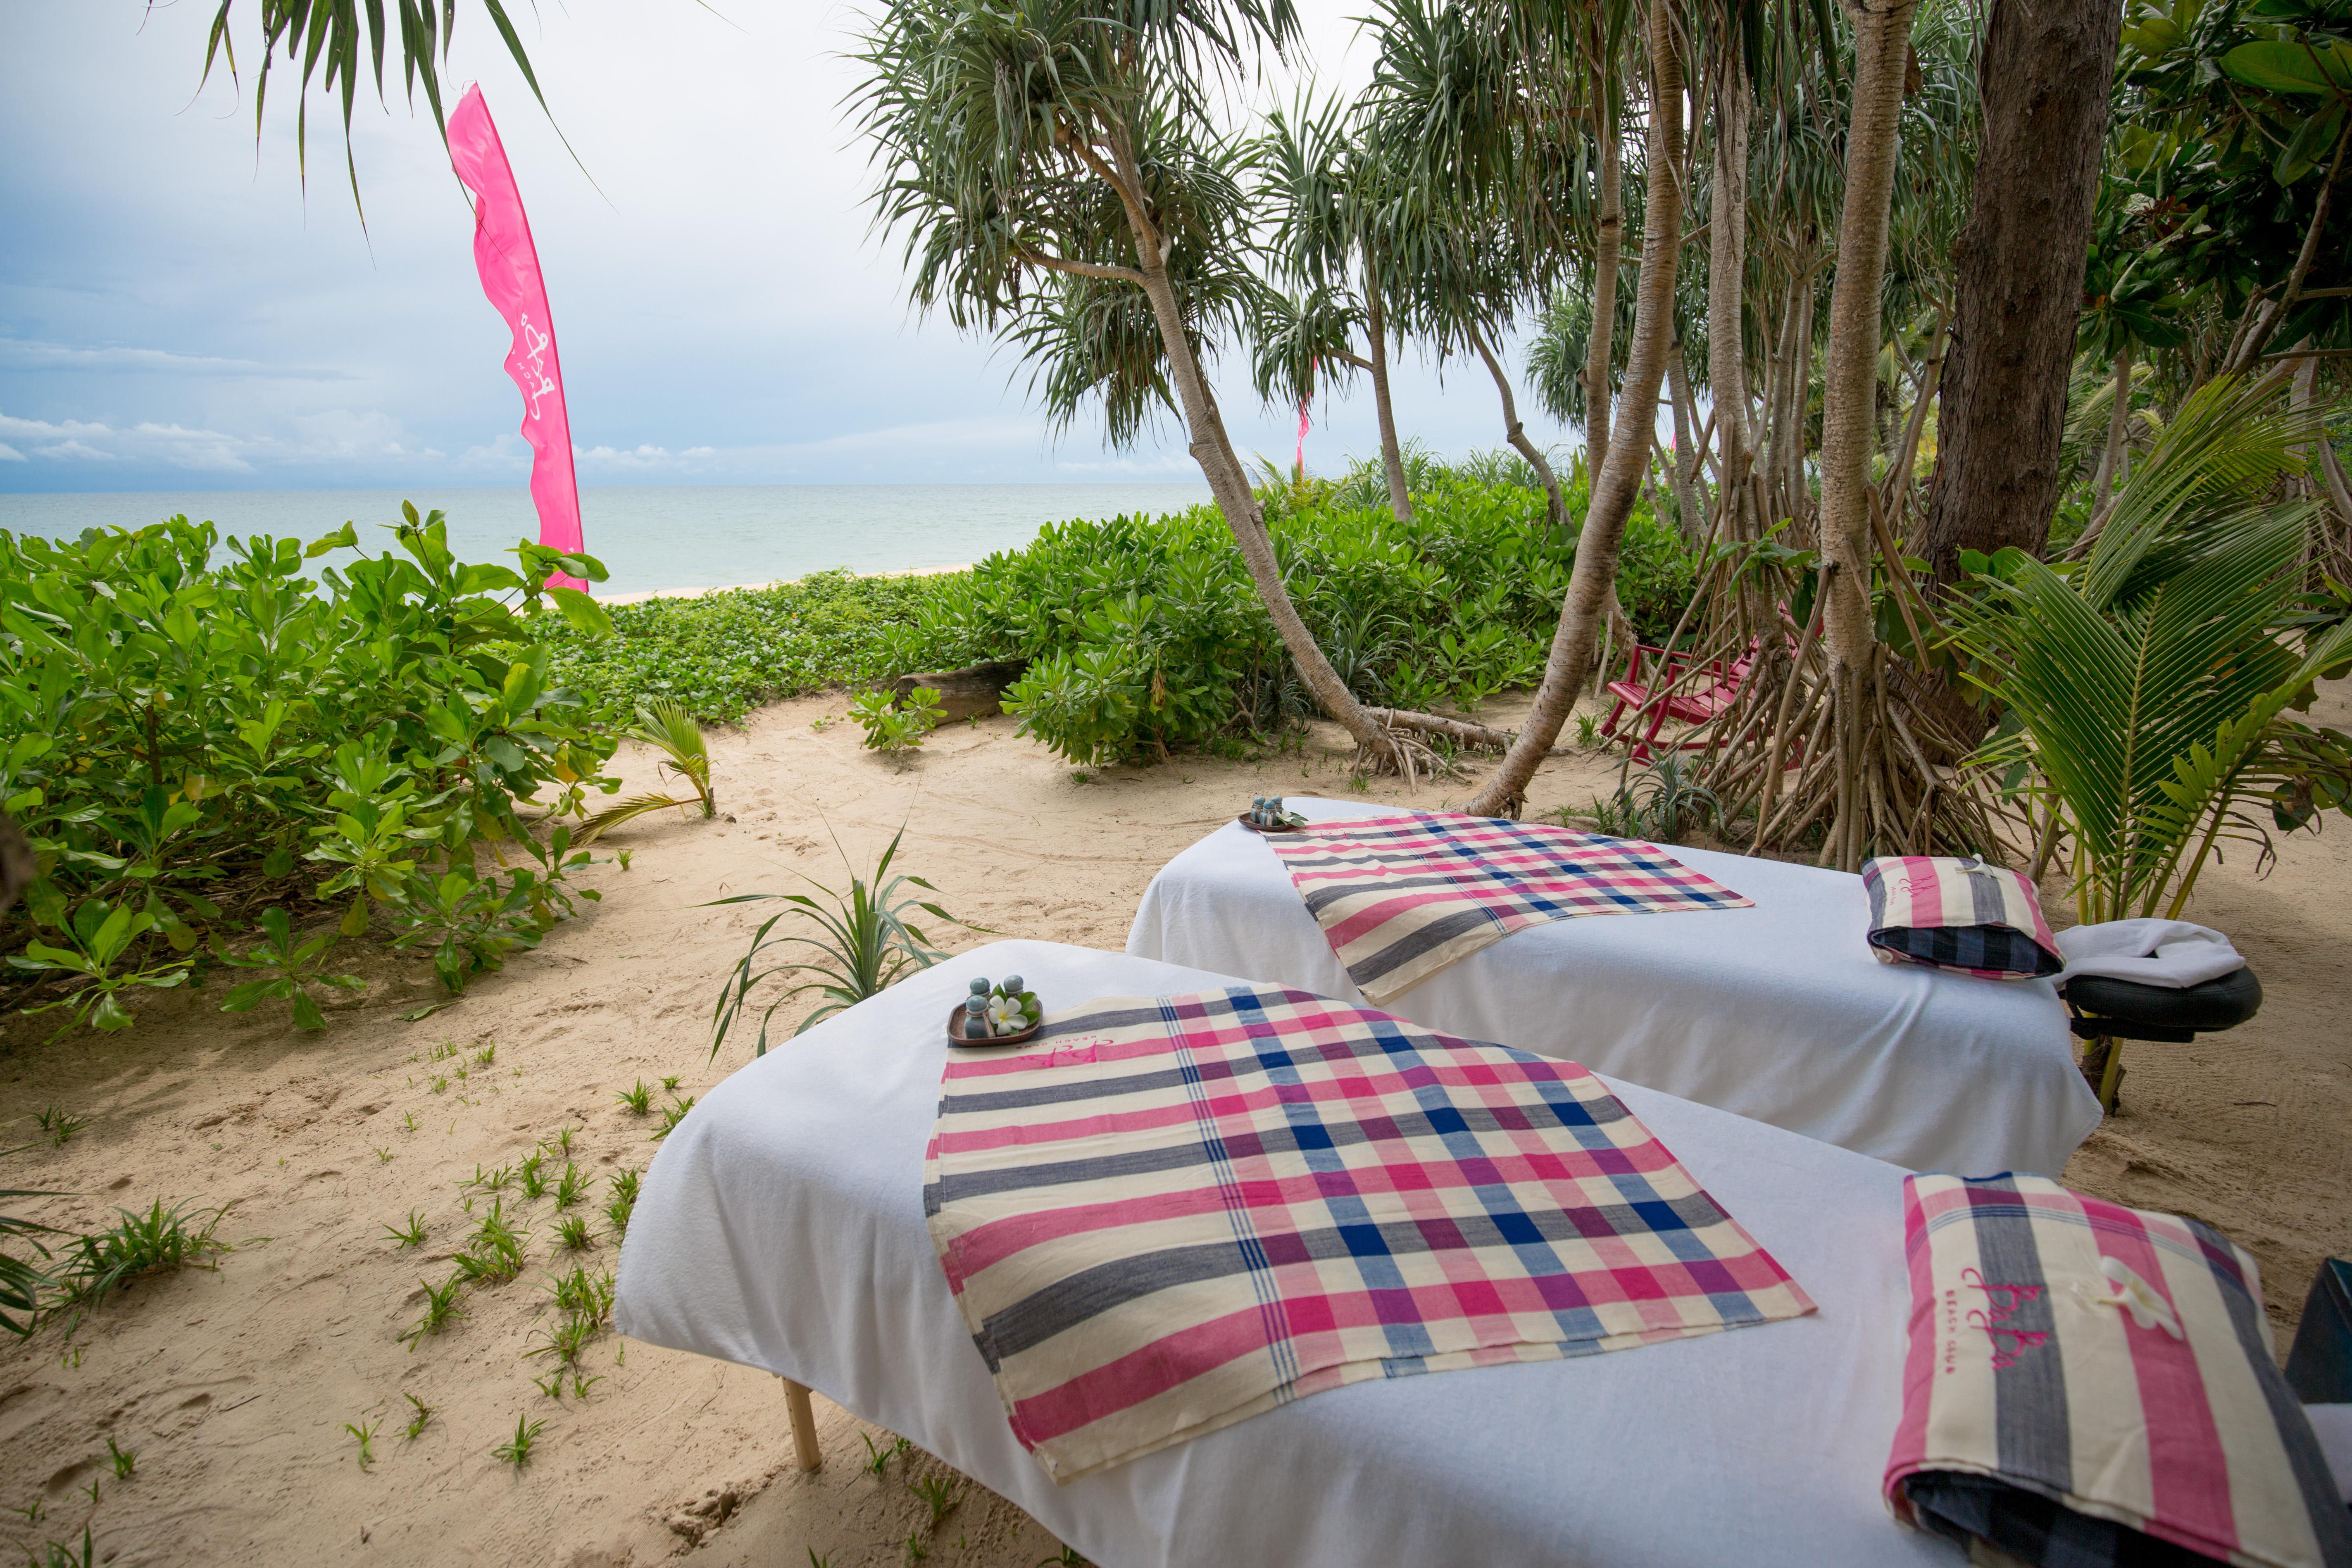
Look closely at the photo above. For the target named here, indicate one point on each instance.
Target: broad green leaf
(2313, 71)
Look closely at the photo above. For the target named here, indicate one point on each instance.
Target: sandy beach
(233, 1387)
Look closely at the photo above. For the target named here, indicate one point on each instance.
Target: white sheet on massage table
(782, 1228)
(1777, 1012)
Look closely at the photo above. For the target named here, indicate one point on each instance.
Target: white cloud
(73, 450)
(28, 353)
(10, 455)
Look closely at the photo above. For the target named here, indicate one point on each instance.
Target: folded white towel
(2172, 953)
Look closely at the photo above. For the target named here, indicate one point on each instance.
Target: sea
(655, 539)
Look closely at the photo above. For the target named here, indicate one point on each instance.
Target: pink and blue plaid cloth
(1167, 1214)
(1400, 897)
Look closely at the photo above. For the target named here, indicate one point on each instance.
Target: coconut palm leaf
(2149, 686)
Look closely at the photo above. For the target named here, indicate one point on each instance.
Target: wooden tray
(1244, 819)
(956, 1038)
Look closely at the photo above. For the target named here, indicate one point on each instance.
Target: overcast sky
(176, 313)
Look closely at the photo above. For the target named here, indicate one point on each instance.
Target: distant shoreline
(734, 587)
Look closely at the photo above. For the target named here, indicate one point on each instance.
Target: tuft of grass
(515, 1450)
(487, 1055)
(363, 1431)
(581, 1382)
(879, 1457)
(440, 1084)
(531, 1176)
(413, 1235)
(572, 1234)
(158, 1241)
(124, 1460)
(672, 1114)
(441, 1309)
(637, 1098)
(572, 1186)
(416, 1423)
(58, 1125)
(493, 1254)
(940, 1494)
(60, 1554)
(552, 1386)
(408, 1122)
(584, 1295)
(622, 1202)
(383, 1156)
(916, 1548)
(561, 1143)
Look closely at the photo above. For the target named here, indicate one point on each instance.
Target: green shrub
(890, 728)
(723, 654)
(193, 745)
(1145, 635)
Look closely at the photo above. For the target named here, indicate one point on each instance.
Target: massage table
(782, 1228)
(1778, 1012)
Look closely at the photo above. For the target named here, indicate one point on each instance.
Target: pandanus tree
(1055, 171)
(1481, 92)
(1323, 197)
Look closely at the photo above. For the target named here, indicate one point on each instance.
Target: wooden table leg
(804, 1449)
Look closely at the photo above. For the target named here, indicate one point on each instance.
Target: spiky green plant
(2149, 687)
(669, 728)
(864, 946)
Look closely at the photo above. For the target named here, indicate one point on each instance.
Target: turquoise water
(653, 537)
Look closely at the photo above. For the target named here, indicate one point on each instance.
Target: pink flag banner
(509, 263)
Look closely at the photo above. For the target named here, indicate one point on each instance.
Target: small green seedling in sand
(364, 1431)
(572, 1234)
(494, 1252)
(441, 1309)
(122, 1459)
(622, 1202)
(916, 1549)
(440, 1085)
(408, 1122)
(551, 1386)
(572, 1186)
(584, 1295)
(533, 1179)
(637, 1098)
(563, 1140)
(414, 1234)
(58, 1125)
(940, 1494)
(60, 1554)
(622, 855)
(669, 1084)
(581, 1382)
(383, 1156)
(671, 1116)
(416, 1423)
(816, 1562)
(32, 1514)
(443, 1052)
(516, 1451)
(487, 1055)
(92, 1490)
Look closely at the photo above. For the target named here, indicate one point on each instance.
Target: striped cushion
(2091, 1385)
(1956, 912)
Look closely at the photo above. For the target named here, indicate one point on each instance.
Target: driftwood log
(973, 692)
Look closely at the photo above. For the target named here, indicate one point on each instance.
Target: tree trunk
(1392, 454)
(2111, 462)
(1600, 342)
(2042, 82)
(1850, 368)
(1685, 458)
(1800, 399)
(1555, 506)
(1726, 282)
(1229, 483)
(1592, 583)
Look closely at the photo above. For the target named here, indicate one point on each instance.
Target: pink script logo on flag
(509, 263)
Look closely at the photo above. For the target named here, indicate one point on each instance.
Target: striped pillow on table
(1956, 912)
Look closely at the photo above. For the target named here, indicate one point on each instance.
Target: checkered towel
(1400, 897)
(1167, 1214)
(2083, 1376)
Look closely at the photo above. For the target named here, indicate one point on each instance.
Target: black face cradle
(2108, 1008)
